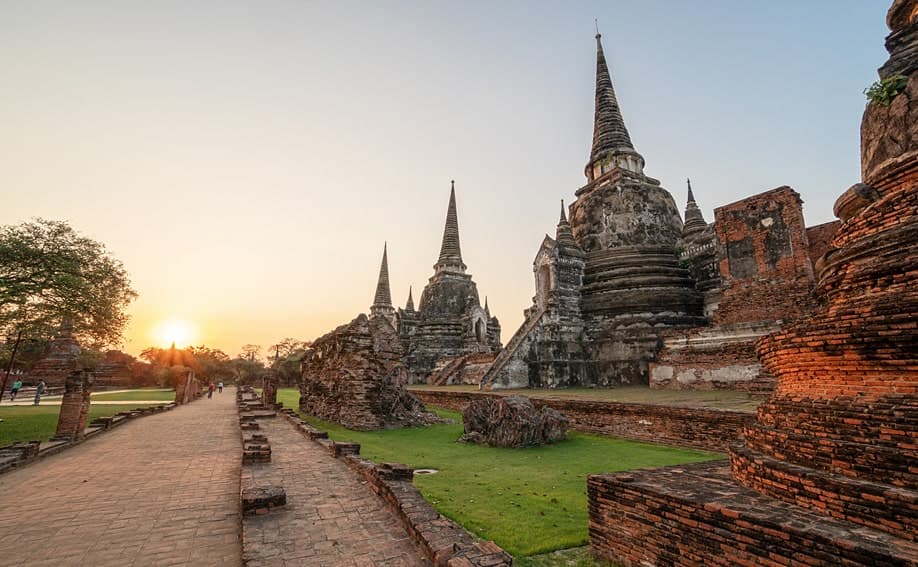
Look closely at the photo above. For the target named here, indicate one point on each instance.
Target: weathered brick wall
(708, 429)
(820, 238)
(766, 269)
(713, 358)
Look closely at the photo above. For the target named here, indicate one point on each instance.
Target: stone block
(261, 500)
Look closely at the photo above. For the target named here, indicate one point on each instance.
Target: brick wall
(820, 238)
(765, 267)
(708, 429)
(713, 358)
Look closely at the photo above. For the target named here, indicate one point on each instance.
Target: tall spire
(612, 145)
(694, 220)
(382, 301)
(409, 305)
(450, 254)
(486, 310)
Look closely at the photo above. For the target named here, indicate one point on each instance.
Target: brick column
(74, 407)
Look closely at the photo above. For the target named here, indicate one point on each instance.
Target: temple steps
(876, 505)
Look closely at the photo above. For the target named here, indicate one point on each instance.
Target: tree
(250, 352)
(286, 358)
(49, 272)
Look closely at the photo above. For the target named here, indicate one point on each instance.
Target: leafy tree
(49, 272)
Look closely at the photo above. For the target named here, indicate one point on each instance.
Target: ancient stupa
(620, 265)
(450, 321)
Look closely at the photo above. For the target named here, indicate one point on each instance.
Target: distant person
(14, 389)
(219, 387)
(39, 390)
(210, 390)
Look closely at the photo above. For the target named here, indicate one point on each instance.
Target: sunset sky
(247, 160)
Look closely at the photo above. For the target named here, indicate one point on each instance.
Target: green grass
(158, 395)
(722, 399)
(31, 423)
(574, 557)
(529, 501)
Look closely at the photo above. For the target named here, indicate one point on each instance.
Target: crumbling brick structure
(71, 422)
(827, 474)
(355, 376)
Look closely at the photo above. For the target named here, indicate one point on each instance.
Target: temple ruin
(450, 330)
(626, 293)
(355, 376)
(828, 473)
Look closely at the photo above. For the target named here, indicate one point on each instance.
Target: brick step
(889, 421)
(837, 454)
(698, 515)
(879, 506)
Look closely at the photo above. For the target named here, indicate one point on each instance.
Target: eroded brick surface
(163, 490)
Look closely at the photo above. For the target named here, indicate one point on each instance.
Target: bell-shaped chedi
(62, 359)
(355, 376)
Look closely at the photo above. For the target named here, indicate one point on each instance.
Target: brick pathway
(331, 517)
(160, 490)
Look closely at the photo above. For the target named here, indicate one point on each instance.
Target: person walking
(14, 389)
(219, 387)
(210, 390)
(39, 390)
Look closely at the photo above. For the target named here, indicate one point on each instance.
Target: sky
(246, 161)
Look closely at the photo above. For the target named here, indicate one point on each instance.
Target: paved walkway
(331, 518)
(160, 490)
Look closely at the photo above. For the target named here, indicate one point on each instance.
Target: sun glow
(177, 331)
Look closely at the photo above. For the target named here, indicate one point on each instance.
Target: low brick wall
(445, 542)
(696, 428)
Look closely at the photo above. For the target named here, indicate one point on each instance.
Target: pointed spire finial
(383, 297)
(691, 197)
(596, 21)
(487, 311)
(610, 136)
(450, 252)
(563, 215)
(409, 305)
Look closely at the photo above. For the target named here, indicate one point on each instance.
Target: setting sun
(177, 331)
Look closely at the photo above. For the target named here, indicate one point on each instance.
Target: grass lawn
(154, 394)
(529, 501)
(30, 423)
(722, 399)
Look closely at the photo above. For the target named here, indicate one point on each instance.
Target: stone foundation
(696, 514)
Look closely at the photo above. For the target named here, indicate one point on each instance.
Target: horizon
(248, 182)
